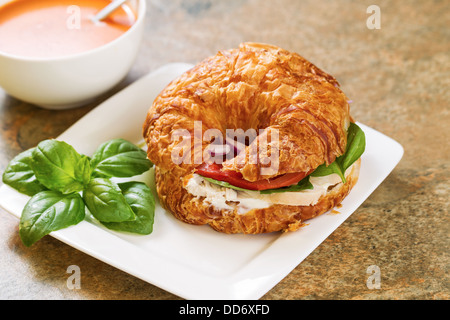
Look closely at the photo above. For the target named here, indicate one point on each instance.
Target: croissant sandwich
(255, 139)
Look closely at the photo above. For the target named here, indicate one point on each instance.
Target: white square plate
(196, 262)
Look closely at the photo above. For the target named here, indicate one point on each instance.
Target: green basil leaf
(304, 184)
(49, 211)
(225, 184)
(19, 175)
(83, 169)
(119, 158)
(324, 170)
(140, 198)
(356, 144)
(105, 201)
(56, 165)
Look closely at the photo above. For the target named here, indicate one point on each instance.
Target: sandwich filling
(223, 198)
(229, 191)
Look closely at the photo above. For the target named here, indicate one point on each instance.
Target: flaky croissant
(255, 86)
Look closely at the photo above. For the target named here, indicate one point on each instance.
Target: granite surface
(398, 77)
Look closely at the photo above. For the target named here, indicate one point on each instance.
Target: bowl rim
(142, 8)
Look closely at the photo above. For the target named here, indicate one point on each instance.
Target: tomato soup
(54, 28)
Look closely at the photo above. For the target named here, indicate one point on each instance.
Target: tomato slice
(214, 171)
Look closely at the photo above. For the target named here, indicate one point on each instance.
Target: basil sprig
(63, 184)
(356, 144)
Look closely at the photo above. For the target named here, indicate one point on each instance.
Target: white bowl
(72, 81)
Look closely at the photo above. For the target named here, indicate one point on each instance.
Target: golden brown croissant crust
(254, 86)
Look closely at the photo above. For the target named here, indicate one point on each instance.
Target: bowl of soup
(54, 55)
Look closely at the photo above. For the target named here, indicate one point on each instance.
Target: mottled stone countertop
(398, 77)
